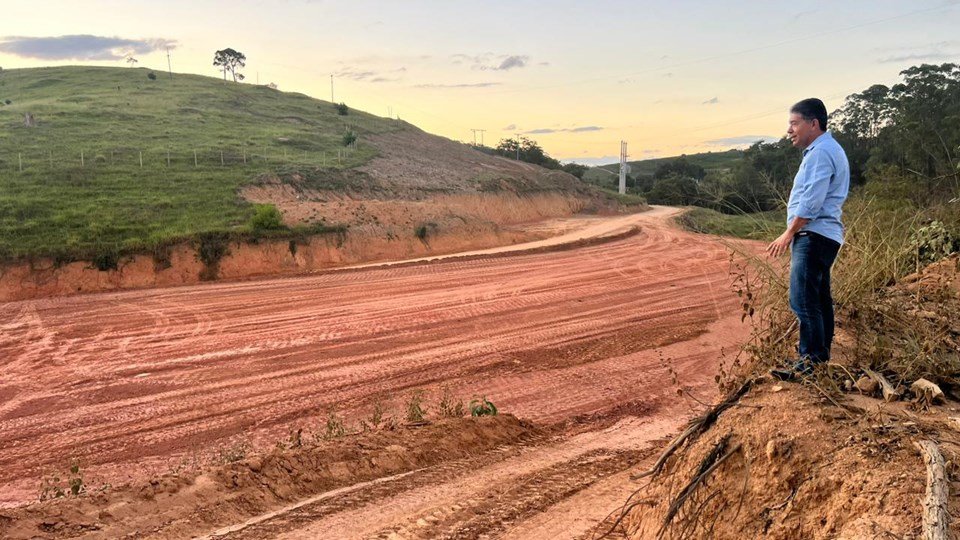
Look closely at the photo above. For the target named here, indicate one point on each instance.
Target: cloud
(940, 50)
(81, 47)
(493, 62)
(511, 62)
(511, 127)
(740, 140)
(930, 55)
(461, 85)
(580, 129)
(369, 75)
(712, 101)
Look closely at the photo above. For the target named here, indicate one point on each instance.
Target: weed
(416, 412)
(482, 407)
(349, 138)
(52, 487)
(376, 416)
(335, 426)
(211, 247)
(450, 407)
(232, 453)
(342, 109)
(106, 258)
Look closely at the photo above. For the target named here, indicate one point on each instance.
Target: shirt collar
(823, 137)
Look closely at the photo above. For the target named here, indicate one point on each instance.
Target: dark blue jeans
(811, 257)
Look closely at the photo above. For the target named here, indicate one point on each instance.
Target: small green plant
(349, 138)
(52, 487)
(450, 406)
(335, 426)
(416, 413)
(482, 407)
(232, 453)
(266, 217)
(152, 76)
(342, 109)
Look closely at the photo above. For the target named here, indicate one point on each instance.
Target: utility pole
(481, 136)
(474, 135)
(331, 89)
(624, 168)
(517, 135)
(169, 69)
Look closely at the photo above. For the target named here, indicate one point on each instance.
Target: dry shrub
(894, 332)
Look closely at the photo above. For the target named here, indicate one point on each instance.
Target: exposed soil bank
(470, 222)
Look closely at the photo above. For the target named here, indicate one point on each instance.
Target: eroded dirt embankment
(450, 224)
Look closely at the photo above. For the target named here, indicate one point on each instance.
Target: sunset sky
(577, 77)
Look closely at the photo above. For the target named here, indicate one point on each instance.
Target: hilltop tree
(131, 61)
(529, 151)
(230, 61)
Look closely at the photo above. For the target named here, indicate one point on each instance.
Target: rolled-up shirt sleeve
(816, 181)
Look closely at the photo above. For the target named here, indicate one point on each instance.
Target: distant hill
(98, 160)
(646, 167)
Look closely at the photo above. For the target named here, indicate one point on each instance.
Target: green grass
(238, 132)
(755, 226)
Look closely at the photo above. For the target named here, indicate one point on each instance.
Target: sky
(577, 77)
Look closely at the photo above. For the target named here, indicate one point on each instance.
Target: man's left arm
(817, 181)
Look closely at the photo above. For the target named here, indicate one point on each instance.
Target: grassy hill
(646, 167)
(120, 162)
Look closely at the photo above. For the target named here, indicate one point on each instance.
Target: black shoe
(802, 368)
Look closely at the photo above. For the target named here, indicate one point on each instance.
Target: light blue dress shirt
(820, 187)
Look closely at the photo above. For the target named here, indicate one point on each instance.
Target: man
(814, 232)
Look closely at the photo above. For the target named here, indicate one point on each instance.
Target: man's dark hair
(810, 109)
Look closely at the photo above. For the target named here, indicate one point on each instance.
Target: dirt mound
(418, 180)
(796, 467)
(186, 503)
(827, 458)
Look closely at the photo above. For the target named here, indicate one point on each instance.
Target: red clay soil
(132, 383)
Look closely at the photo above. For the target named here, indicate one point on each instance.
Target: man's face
(802, 132)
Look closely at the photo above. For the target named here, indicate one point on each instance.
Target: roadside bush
(349, 138)
(152, 76)
(342, 109)
(266, 217)
(933, 242)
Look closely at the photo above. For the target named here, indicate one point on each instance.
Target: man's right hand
(780, 246)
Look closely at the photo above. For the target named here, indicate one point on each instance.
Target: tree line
(906, 135)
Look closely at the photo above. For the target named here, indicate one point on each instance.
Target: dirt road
(132, 382)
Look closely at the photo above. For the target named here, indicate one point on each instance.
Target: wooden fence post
(141, 159)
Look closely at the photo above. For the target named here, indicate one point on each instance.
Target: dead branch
(697, 427)
(710, 463)
(889, 392)
(936, 520)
